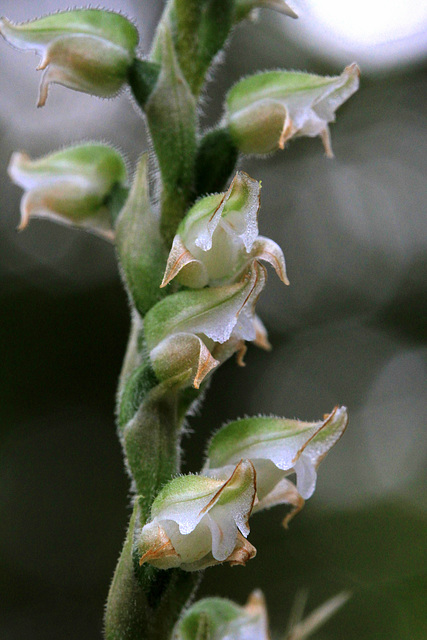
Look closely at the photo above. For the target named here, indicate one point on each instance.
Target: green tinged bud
(90, 50)
(267, 109)
(221, 619)
(70, 186)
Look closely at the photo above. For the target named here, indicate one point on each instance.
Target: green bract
(139, 244)
(86, 49)
(266, 110)
(218, 238)
(70, 186)
(198, 521)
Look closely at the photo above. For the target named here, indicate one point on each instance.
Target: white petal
(306, 476)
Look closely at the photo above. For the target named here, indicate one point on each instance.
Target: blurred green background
(350, 330)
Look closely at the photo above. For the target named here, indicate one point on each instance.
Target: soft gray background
(349, 330)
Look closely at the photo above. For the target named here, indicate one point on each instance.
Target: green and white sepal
(90, 50)
(218, 239)
(221, 619)
(277, 448)
(265, 110)
(198, 521)
(70, 186)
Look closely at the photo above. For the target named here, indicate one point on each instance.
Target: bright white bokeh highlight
(378, 33)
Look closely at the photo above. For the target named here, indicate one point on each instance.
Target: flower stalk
(193, 264)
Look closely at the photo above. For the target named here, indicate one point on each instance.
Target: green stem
(139, 609)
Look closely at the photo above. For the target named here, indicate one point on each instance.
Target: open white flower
(218, 238)
(198, 521)
(265, 110)
(277, 448)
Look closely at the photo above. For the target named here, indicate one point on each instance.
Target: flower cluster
(201, 520)
(216, 254)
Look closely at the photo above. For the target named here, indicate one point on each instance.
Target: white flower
(218, 239)
(198, 521)
(277, 448)
(225, 620)
(265, 110)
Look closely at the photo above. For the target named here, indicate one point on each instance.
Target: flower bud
(277, 447)
(182, 359)
(69, 186)
(89, 50)
(222, 619)
(197, 521)
(267, 109)
(218, 238)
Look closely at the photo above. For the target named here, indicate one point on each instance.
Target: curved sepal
(182, 358)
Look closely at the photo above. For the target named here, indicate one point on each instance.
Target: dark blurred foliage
(350, 329)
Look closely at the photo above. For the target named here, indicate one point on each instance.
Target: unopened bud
(90, 50)
(69, 186)
(244, 8)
